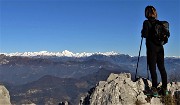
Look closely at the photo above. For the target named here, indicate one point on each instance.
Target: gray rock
(119, 89)
(4, 96)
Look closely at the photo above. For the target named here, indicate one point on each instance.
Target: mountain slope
(56, 89)
(48, 90)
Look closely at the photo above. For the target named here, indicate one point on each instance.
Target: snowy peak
(64, 53)
(67, 53)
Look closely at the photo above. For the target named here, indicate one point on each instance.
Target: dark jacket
(147, 31)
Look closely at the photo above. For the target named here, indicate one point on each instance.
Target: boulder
(4, 96)
(119, 89)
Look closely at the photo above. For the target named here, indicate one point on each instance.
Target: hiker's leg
(161, 67)
(151, 58)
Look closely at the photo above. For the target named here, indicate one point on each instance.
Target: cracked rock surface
(119, 89)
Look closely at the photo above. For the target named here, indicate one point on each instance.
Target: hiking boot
(164, 92)
(152, 92)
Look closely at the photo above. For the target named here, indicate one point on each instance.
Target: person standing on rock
(155, 53)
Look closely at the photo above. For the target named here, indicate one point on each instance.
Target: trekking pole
(138, 57)
(147, 70)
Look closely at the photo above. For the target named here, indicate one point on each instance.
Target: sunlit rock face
(4, 96)
(119, 89)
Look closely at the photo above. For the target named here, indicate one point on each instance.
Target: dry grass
(168, 100)
(177, 97)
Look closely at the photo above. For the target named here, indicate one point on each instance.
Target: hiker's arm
(144, 31)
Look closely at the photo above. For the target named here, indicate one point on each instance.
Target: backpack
(160, 33)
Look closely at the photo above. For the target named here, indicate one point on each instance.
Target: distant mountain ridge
(22, 69)
(65, 53)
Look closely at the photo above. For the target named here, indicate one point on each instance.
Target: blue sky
(82, 25)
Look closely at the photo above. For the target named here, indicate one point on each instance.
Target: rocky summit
(4, 96)
(119, 89)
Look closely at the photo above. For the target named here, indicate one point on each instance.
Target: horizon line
(69, 53)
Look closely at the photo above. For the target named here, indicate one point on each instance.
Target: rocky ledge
(119, 89)
(4, 96)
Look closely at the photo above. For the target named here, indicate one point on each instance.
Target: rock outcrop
(64, 103)
(4, 96)
(119, 89)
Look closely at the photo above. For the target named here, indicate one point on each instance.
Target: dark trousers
(155, 55)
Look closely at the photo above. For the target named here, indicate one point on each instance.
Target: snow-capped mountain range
(64, 53)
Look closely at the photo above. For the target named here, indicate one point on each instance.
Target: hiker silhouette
(155, 53)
